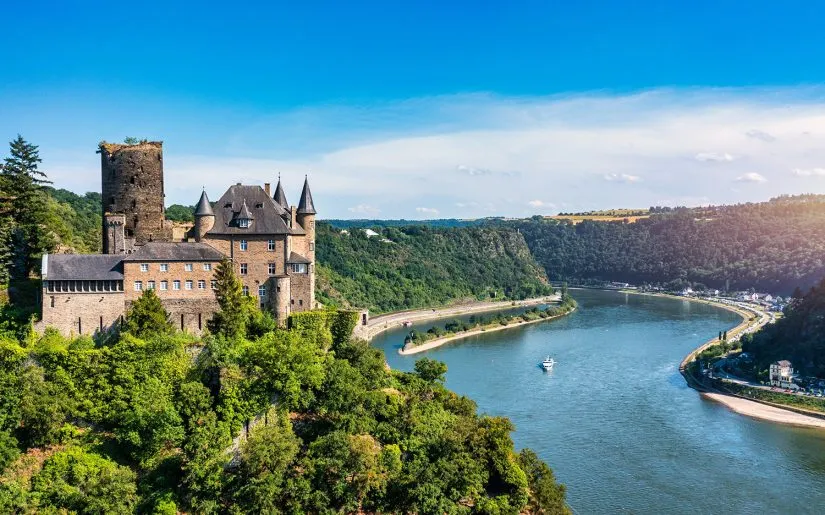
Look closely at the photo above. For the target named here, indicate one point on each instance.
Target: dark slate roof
(268, 214)
(204, 207)
(305, 205)
(89, 267)
(280, 196)
(297, 258)
(244, 213)
(180, 251)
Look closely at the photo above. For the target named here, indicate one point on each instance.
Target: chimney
(266, 188)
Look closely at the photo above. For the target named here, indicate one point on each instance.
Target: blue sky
(425, 109)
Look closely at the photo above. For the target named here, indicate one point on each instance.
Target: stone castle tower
(132, 195)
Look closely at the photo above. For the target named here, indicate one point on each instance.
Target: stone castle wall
(132, 184)
(82, 313)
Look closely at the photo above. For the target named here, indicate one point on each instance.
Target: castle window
(214, 285)
(292, 301)
(138, 285)
(207, 267)
(228, 205)
(164, 267)
(189, 284)
(271, 268)
(150, 285)
(52, 301)
(188, 267)
(164, 285)
(259, 205)
(144, 267)
(270, 245)
(176, 284)
(312, 246)
(72, 286)
(312, 224)
(244, 245)
(244, 268)
(300, 302)
(50, 286)
(201, 284)
(246, 290)
(262, 291)
(243, 223)
(298, 268)
(133, 179)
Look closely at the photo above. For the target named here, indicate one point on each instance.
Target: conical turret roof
(245, 212)
(280, 196)
(306, 206)
(204, 208)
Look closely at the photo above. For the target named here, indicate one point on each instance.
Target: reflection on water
(616, 421)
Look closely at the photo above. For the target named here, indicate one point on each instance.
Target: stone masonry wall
(176, 271)
(132, 184)
(82, 313)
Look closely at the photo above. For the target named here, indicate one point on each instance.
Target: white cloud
(713, 156)
(760, 135)
(518, 149)
(472, 171)
(364, 209)
(751, 177)
(809, 172)
(540, 203)
(426, 210)
(622, 177)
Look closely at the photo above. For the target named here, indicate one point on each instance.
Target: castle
(270, 244)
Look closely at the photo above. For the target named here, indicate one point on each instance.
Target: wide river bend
(616, 421)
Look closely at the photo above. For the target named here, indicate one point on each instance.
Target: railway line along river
(616, 420)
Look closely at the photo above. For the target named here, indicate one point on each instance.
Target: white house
(781, 374)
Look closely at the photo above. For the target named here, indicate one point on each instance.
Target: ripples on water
(615, 419)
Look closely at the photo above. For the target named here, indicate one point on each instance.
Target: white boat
(548, 363)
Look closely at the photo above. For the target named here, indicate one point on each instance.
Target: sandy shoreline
(381, 323)
(764, 412)
(438, 342)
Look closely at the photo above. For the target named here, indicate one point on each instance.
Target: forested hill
(798, 336)
(774, 246)
(410, 267)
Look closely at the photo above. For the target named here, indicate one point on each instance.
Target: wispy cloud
(760, 135)
(751, 177)
(426, 210)
(621, 177)
(713, 156)
(540, 203)
(809, 172)
(364, 209)
(387, 157)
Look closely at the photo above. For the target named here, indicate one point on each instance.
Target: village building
(271, 246)
(780, 373)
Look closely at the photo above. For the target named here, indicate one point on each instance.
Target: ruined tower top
(132, 185)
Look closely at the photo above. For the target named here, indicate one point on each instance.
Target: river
(616, 421)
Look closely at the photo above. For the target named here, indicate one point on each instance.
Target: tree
(430, 370)
(147, 317)
(23, 183)
(231, 319)
(180, 213)
(44, 407)
(546, 496)
(81, 482)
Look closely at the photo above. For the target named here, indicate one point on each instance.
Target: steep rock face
(403, 268)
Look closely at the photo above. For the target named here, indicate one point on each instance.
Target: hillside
(798, 336)
(411, 267)
(774, 246)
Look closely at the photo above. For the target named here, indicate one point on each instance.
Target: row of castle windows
(164, 267)
(84, 286)
(244, 245)
(164, 285)
(295, 268)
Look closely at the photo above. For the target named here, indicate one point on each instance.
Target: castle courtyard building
(270, 244)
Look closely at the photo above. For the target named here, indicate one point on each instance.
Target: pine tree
(231, 319)
(22, 184)
(147, 317)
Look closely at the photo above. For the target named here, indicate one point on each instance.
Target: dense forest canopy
(774, 246)
(402, 268)
(799, 336)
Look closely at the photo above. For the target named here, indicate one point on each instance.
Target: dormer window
(243, 222)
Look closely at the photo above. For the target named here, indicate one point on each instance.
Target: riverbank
(764, 412)
(438, 342)
(381, 323)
